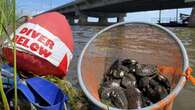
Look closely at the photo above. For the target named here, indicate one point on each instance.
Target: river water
(186, 98)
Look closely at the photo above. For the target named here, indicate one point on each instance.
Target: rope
(188, 75)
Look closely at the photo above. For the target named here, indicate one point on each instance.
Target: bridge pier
(120, 19)
(192, 18)
(83, 20)
(71, 20)
(103, 20)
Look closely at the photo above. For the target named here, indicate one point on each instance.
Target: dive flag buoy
(44, 45)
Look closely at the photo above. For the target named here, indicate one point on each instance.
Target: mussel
(146, 70)
(135, 98)
(130, 85)
(128, 80)
(119, 98)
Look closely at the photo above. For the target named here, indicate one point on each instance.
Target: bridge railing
(166, 20)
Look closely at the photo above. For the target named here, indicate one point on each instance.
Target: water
(82, 35)
(185, 100)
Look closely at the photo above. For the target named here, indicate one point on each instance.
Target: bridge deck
(122, 6)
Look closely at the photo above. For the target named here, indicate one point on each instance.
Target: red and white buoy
(44, 45)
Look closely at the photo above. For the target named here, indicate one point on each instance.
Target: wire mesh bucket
(147, 43)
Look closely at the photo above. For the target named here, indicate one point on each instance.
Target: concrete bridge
(82, 9)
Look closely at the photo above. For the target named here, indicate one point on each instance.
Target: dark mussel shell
(112, 83)
(156, 92)
(118, 98)
(164, 82)
(144, 70)
(112, 67)
(120, 71)
(107, 78)
(129, 85)
(128, 80)
(107, 87)
(126, 62)
(147, 101)
(130, 64)
(135, 98)
(144, 84)
(105, 92)
(117, 70)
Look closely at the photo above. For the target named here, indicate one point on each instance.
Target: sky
(153, 16)
(32, 7)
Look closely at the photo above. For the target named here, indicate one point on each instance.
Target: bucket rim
(165, 100)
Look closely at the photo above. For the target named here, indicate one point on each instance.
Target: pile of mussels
(130, 85)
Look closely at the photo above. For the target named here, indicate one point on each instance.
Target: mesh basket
(147, 43)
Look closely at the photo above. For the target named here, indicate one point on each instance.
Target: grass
(76, 98)
(14, 51)
(7, 17)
